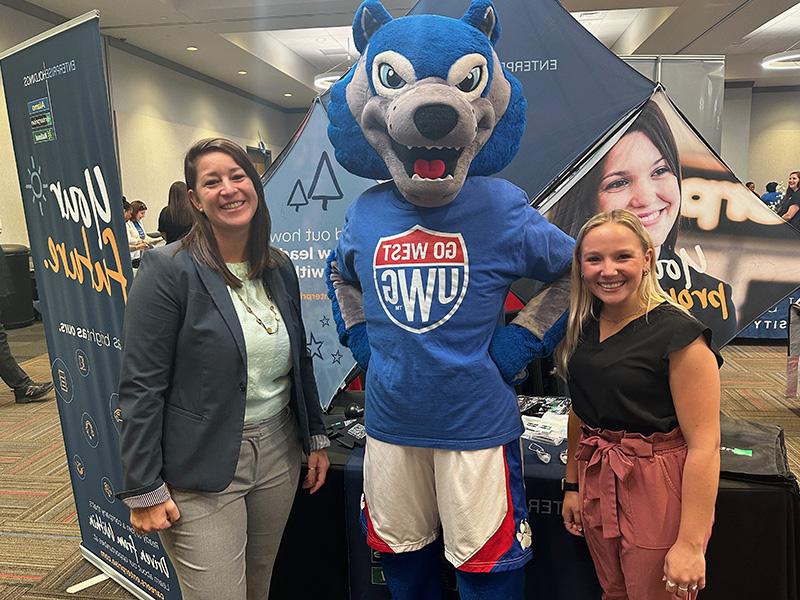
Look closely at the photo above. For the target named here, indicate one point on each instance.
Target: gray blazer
(184, 374)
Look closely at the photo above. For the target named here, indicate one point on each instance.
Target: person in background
(175, 219)
(789, 207)
(25, 389)
(217, 387)
(136, 234)
(643, 448)
(772, 197)
(126, 209)
(751, 185)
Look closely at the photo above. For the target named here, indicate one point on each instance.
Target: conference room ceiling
(283, 44)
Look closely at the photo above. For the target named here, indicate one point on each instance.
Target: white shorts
(476, 496)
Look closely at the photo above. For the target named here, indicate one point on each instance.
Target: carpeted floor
(39, 536)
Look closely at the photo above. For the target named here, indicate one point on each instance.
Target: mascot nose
(435, 121)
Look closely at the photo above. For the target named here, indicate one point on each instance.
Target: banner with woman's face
(722, 253)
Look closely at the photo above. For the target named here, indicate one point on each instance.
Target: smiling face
(638, 178)
(794, 180)
(225, 194)
(612, 264)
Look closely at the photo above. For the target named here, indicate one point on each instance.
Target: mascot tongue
(429, 169)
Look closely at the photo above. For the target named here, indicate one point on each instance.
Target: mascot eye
(471, 81)
(389, 77)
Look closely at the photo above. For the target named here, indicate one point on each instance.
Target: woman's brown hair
(179, 208)
(137, 206)
(202, 243)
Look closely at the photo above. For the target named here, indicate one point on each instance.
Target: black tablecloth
(753, 552)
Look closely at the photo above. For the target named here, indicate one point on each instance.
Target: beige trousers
(225, 543)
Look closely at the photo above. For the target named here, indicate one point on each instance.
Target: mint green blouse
(269, 357)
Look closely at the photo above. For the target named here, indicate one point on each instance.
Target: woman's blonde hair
(581, 300)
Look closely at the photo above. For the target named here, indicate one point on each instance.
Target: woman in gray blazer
(217, 388)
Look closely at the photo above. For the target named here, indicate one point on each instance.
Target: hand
(684, 569)
(571, 512)
(318, 464)
(512, 348)
(358, 342)
(154, 518)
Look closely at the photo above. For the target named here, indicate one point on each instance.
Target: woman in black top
(643, 378)
(789, 208)
(175, 219)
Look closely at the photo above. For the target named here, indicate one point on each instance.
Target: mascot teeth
(423, 162)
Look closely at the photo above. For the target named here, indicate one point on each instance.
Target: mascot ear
(370, 17)
(483, 17)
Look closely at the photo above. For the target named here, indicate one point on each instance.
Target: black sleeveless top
(622, 383)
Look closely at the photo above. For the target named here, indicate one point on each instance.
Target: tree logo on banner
(297, 202)
(324, 186)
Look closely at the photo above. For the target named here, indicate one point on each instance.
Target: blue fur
(353, 151)
(433, 42)
(502, 147)
(337, 311)
(505, 585)
(475, 14)
(414, 575)
(377, 11)
(513, 347)
(358, 342)
(354, 338)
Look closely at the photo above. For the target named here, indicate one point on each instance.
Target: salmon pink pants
(630, 491)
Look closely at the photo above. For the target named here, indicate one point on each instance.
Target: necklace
(272, 308)
(618, 321)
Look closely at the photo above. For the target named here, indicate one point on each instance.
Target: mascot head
(428, 102)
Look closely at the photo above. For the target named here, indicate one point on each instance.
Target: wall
(775, 135)
(159, 113)
(15, 27)
(736, 130)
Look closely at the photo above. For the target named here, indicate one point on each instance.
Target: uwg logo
(421, 277)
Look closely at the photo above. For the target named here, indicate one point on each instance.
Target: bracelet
(569, 486)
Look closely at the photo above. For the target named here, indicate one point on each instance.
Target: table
(753, 552)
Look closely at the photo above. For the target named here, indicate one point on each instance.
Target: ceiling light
(288, 94)
(782, 60)
(325, 80)
(191, 48)
(242, 72)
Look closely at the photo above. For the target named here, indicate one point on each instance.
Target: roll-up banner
(308, 193)
(58, 110)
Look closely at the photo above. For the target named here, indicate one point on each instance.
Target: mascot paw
(358, 342)
(511, 349)
(524, 535)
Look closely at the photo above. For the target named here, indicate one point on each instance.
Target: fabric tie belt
(610, 457)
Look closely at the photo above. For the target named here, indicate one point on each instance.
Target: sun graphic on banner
(36, 186)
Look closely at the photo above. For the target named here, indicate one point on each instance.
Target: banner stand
(112, 574)
(60, 120)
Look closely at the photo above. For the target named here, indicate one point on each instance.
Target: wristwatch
(569, 486)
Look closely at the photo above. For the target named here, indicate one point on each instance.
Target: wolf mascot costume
(418, 284)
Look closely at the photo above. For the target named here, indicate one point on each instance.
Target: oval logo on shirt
(421, 277)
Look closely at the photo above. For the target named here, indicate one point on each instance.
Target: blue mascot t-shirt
(434, 284)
